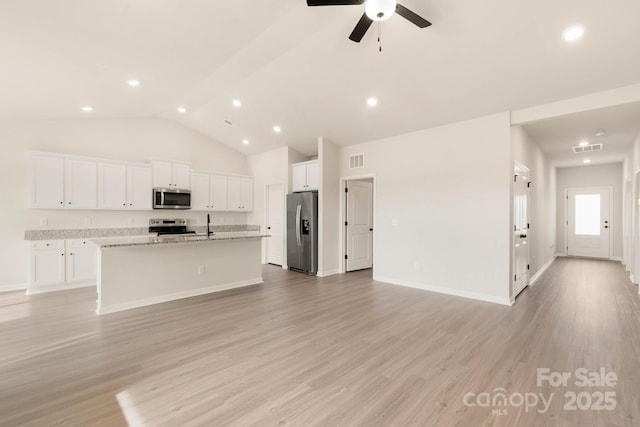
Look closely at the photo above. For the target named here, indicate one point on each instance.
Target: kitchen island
(145, 270)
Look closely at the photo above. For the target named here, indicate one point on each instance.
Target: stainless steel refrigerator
(302, 232)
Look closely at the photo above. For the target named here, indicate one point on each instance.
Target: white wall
(119, 139)
(632, 227)
(542, 234)
(328, 207)
(609, 175)
(442, 207)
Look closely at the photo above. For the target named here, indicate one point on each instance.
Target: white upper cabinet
(218, 192)
(240, 194)
(304, 176)
(171, 174)
(124, 186)
(112, 186)
(209, 192)
(200, 191)
(139, 187)
(47, 182)
(81, 184)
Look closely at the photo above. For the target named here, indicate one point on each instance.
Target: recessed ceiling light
(600, 132)
(182, 110)
(236, 103)
(583, 143)
(586, 161)
(87, 108)
(133, 83)
(372, 102)
(277, 129)
(573, 33)
(245, 141)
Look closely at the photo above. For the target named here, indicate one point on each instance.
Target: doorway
(358, 226)
(521, 226)
(588, 223)
(275, 224)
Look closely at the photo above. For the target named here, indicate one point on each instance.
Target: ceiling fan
(375, 10)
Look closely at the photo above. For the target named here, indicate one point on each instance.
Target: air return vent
(356, 161)
(587, 148)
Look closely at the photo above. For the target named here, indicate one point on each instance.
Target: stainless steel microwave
(171, 198)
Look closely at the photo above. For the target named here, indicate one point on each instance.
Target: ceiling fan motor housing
(380, 10)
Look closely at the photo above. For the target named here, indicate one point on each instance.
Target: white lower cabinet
(61, 264)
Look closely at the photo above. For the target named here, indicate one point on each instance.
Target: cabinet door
(246, 194)
(81, 184)
(112, 186)
(47, 182)
(81, 264)
(218, 196)
(234, 198)
(200, 191)
(181, 176)
(47, 268)
(139, 188)
(162, 174)
(312, 176)
(299, 178)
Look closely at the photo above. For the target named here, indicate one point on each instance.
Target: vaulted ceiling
(295, 67)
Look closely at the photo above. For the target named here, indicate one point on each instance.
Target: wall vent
(356, 161)
(587, 148)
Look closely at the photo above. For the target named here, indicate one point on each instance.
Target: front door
(275, 224)
(520, 231)
(588, 222)
(359, 225)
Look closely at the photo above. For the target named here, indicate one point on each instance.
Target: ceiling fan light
(380, 10)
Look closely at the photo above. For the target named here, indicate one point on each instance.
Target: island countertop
(114, 242)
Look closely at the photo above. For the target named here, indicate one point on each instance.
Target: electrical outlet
(87, 221)
(43, 221)
(130, 221)
(200, 270)
(394, 222)
(416, 265)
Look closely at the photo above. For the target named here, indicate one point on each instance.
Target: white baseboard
(328, 273)
(175, 296)
(559, 254)
(446, 291)
(540, 271)
(616, 258)
(631, 277)
(14, 287)
(62, 287)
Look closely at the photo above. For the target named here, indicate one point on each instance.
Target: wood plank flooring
(303, 351)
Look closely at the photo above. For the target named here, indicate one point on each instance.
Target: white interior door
(520, 232)
(275, 224)
(359, 227)
(588, 222)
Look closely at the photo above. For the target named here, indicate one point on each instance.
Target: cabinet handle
(62, 203)
(130, 204)
(48, 244)
(69, 202)
(70, 253)
(62, 254)
(124, 204)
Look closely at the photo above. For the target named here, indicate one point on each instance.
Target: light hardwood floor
(302, 351)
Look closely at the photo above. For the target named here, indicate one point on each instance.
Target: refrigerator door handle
(298, 221)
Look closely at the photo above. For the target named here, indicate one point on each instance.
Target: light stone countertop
(115, 242)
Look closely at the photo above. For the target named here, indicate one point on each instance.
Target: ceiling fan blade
(333, 2)
(412, 16)
(361, 28)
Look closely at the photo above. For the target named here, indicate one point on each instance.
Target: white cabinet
(139, 187)
(47, 264)
(124, 186)
(171, 174)
(209, 191)
(60, 264)
(218, 192)
(80, 189)
(58, 183)
(47, 181)
(240, 194)
(304, 176)
(81, 257)
(112, 186)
